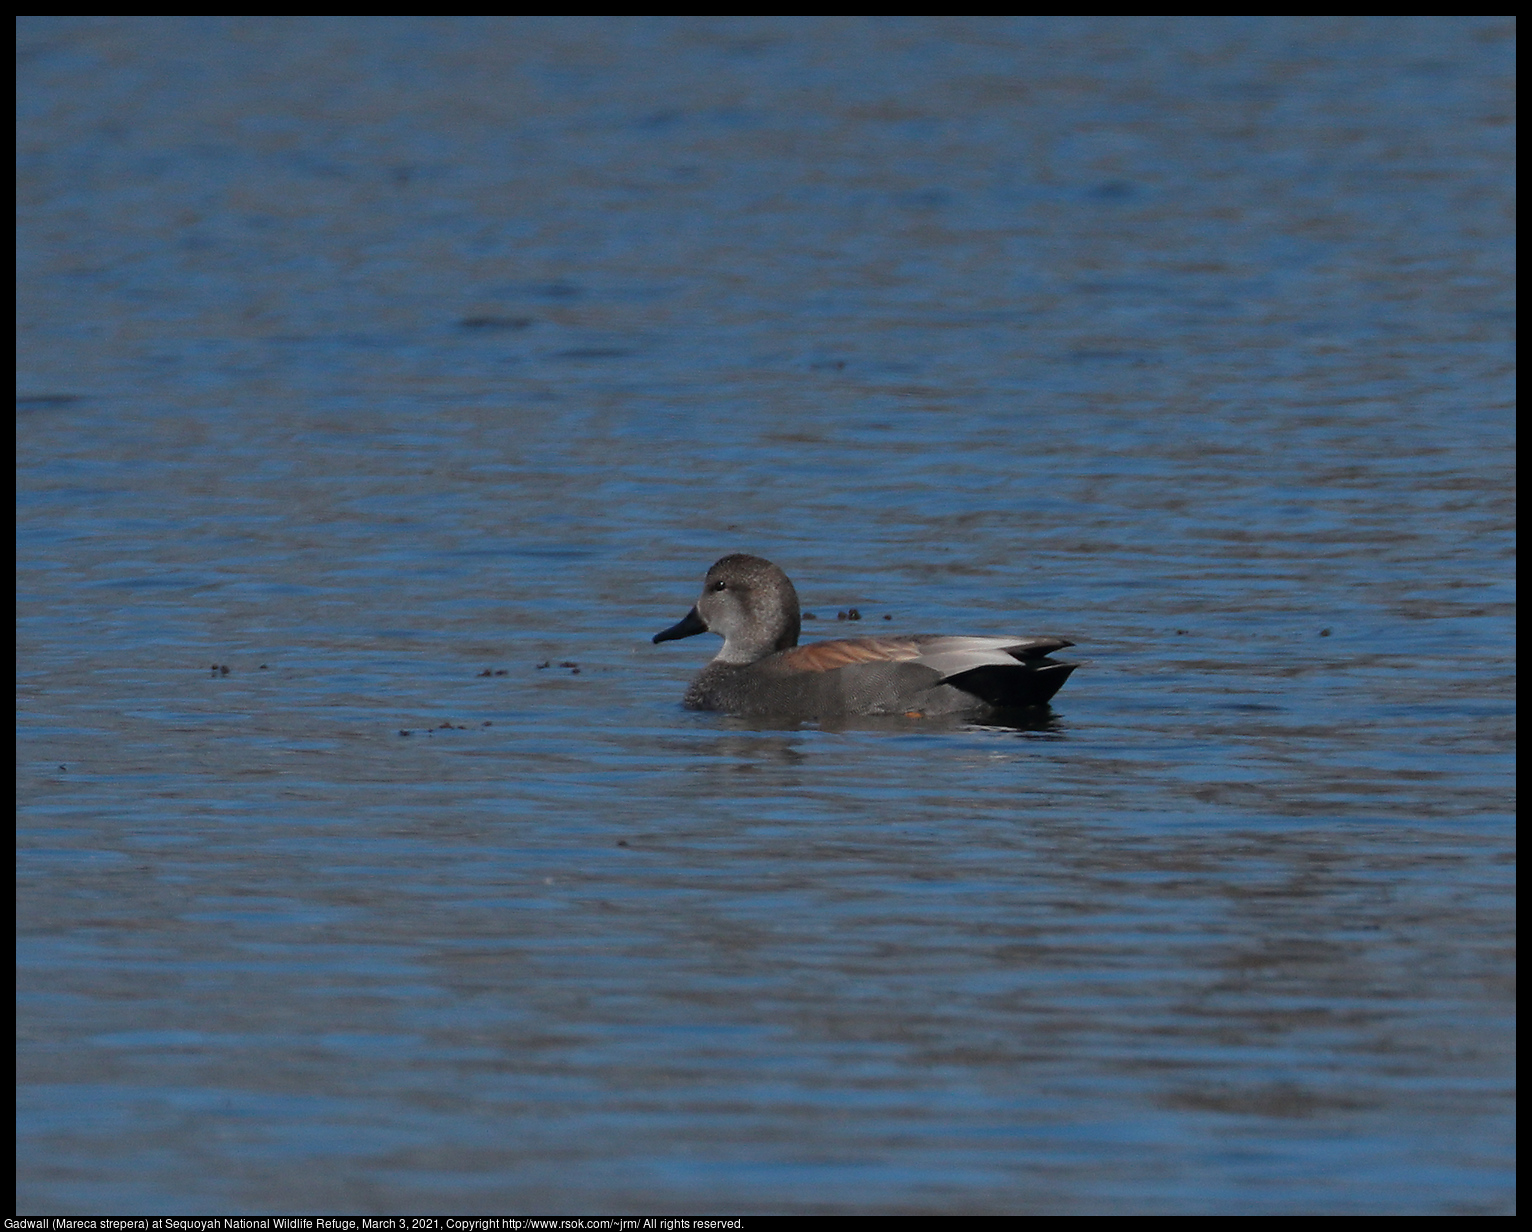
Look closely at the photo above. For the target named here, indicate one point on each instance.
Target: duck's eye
(719, 586)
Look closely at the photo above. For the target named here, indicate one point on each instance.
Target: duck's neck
(752, 644)
(737, 651)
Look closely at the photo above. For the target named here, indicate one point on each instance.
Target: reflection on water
(1031, 720)
(413, 369)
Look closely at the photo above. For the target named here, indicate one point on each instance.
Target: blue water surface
(385, 383)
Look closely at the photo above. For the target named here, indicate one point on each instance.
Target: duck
(763, 671)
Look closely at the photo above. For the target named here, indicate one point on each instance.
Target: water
(384, 361)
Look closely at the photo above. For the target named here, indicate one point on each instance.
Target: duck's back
(924, 674)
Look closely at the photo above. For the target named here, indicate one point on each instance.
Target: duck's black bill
(688, 626)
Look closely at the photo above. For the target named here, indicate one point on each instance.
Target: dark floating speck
(840, 615)
(544, 663)
(403, 732)
(853, 614)
(1324, 633)
(486, 672)
(1180, 632)
(886, 616)
(574, 671)
(568, 663)
(487, 723)
(263, 667)
(65, 769)
(809, 616)
(622, 842)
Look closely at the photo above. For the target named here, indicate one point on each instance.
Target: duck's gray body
(762, 670)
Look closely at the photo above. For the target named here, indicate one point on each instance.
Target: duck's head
(749, 603)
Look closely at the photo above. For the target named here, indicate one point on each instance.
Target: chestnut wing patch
(827, 656)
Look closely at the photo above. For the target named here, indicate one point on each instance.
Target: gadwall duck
(762, 670)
